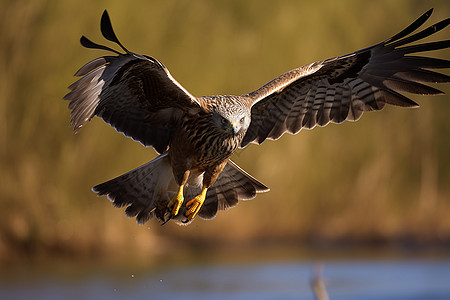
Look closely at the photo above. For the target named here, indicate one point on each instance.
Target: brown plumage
(195, 136)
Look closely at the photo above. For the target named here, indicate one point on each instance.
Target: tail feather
(233, 184)
(147, 190)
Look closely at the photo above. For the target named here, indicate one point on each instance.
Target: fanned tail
(233, 184)
(145, 191)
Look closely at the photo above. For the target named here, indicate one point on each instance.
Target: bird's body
(210, 143)
(204, 141)
(195, 136)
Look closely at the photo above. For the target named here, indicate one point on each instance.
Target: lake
(344, 279)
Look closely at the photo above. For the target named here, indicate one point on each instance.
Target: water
(362, 280)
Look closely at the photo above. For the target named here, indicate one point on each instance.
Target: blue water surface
(362, 280)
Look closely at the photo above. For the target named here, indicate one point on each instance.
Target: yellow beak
(234, 128)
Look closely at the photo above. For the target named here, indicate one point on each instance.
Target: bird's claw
(193, 206)
(175, 204)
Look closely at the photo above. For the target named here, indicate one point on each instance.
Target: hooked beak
(234, 128)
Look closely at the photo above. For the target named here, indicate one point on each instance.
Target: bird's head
(231, 116)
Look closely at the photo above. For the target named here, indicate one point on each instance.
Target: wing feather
(342, 88)
(133, 93)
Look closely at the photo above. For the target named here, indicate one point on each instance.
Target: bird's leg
(209, 177)
(176, 201)
(195, 204)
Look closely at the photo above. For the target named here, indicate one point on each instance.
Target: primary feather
(342, 88)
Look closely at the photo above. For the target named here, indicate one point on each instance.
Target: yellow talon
(195, 204)
(176, 201)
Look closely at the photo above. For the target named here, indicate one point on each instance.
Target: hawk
(195, 136)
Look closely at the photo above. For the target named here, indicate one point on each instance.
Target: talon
(195, 204)
(176, 201)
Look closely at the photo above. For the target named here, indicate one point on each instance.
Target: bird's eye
(223, 121)
(242, 120)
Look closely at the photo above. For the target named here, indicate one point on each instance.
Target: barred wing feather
(133, 93)
(342, 88)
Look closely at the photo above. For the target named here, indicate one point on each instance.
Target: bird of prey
(195, 136)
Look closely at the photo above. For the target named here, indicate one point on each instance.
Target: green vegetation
(383, 179)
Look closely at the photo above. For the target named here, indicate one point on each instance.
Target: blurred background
(381, 184)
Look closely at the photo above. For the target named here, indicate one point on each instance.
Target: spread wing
(342, 88)
(133, 93)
